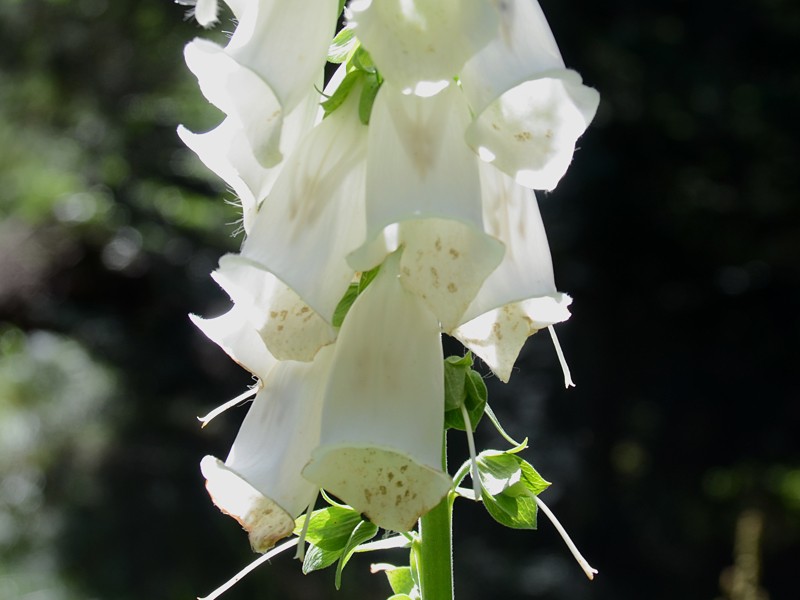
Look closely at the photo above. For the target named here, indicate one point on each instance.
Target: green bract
(463, 386)
(509, 486)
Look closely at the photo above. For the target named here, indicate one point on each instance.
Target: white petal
(530, 131)
(511, 214)
(445, 263)
(314, 215)
(234, 333)
(419, 169)
(529, 109)
(417, 42)
(241, 94)
(227, 152)
(260, 483)
(498, 335)
(291, 330)
(381, 441)
(417, 166)
(520, 296)
(523, 49)
(284, 43)
(205, 11)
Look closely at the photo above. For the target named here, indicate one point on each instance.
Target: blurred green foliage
(677, 230)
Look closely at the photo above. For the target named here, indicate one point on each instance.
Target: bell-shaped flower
(289, 328)
(314, 215)
(423, 192)
(421, 45)
(381, 440)
(520, 296)
(529, 108)
(260, 484)
(272, 62)
(227, 152)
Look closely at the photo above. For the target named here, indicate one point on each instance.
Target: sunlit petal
(260, 483)
(381, 440)
(291, 329)
(420, 45)
(314, 215)
(529, 109)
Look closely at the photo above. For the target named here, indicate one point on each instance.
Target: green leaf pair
(333, 535)
(509, 488)
(361, 71)
(463, 386)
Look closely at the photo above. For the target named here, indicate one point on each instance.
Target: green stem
(434, 547)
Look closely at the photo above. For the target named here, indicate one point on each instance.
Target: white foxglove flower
(314, 216)
(421, 45)
(228, 153)
(423, 192)
(260, 483)
(520, 296)
(529, 108)
(381, 442)
(289, 328)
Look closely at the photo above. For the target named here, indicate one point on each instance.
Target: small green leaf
(455, 379)
(316, 558)
(331, 527)
(400, 579)
(353, 290)
(363, 61)
(400, 597)
(463, 385)
(368, 94)
(367, 277)
(363, 532)
(509, 485)
(342, 92)
(341, 46)
(329, 531)
(344, 305)
(518, 446)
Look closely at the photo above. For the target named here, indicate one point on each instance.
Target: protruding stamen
(587, 568)
(230, 404)
(567, 375)
(253, 565)
(476, 482)
(301, 543)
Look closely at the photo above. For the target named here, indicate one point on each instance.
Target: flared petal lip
(263, 519)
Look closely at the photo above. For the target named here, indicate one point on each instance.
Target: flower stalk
(433, 547)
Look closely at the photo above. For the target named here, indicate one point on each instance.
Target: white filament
(253, 565)
(587, 568)
(564, 367)
(229, 404)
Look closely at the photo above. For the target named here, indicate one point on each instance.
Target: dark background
(676, 231)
